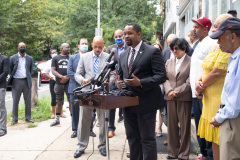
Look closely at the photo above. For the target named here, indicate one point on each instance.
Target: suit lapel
(125, 60)
(101, 64)
(138, 57)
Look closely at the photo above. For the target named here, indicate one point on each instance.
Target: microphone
(112, 65)
(100, 76)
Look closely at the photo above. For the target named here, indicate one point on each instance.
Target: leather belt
(222, 106)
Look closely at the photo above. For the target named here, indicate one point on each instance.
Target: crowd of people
(199, 73)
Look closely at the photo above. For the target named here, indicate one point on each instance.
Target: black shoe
(120, 119)
(14, 122)
(56, 122)
(29, 121)
(74, 134)
(169, 157)
(78, 154)
(2, 133)
(180, 159)
(92, 134)
(103, 151)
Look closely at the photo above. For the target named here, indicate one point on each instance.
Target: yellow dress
(212, 94)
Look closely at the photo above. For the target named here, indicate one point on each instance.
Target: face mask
(53, 55)
(84, 48)
(22, 50)
(188, 39)
(119, 41)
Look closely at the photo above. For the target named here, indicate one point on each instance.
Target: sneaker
(201, 157)
(56, 122)
(120, 119)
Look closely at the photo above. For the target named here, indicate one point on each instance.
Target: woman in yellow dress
(211, 84)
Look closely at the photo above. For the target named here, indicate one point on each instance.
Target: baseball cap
(205, 22)
(231, 23)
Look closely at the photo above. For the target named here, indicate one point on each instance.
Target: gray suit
(20, 86)
(85, 70)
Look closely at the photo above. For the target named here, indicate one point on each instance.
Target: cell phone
(200, 94)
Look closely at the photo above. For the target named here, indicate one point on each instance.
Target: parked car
(41, 65)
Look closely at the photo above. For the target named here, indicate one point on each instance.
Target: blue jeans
(205, 146)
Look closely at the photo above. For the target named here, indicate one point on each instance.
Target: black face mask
(22, 50)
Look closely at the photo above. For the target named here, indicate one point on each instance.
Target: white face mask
(188, 39)
(84, 48)
(53, 55)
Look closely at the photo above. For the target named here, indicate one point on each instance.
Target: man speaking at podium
(141, 71)
(90, 65)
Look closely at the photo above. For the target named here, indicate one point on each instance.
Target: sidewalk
(55, 143)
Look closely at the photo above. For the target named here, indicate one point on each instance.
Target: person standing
(201, 28)
(59, 70)
(141, 71)
(71, 70)
(21, 68)
(90, 64)
(193, 39)
(228, 117)
(4, 70)
(120, 46)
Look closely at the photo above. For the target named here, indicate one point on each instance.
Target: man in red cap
(201, 28)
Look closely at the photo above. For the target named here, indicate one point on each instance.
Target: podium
(108, 102)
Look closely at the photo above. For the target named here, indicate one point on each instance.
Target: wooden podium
(107, 102)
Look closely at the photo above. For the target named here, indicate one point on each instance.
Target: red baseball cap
(205, 22)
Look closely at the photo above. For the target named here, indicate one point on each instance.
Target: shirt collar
(137, 47)
(19, 55)
(122, 47)
(93, 54)
(181, 59)
(235, 53)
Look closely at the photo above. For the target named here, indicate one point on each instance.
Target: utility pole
(98, 30)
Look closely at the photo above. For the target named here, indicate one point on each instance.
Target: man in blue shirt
(228, 35)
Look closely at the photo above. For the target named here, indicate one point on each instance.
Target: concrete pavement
(54, 143)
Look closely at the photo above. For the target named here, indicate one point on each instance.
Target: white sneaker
(201, 157)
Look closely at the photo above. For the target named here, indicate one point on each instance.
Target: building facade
(178, 13)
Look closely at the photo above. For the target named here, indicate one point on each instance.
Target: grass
(39, 113)
(30, 125)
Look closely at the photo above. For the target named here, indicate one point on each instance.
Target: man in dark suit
(141, 71)
(21, 67)
(4, 70)
(71, 70)
(120, 46)
(167, 53)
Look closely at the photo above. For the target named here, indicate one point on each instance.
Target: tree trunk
(34, 94)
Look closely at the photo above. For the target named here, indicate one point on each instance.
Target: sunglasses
(175, 48)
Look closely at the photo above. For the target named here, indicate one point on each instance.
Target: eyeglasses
(95, 47)
(175, 48)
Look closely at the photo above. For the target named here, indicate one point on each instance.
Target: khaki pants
(230, 139)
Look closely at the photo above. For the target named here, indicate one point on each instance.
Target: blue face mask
(53, 55)
(119, 41)
(84, 48)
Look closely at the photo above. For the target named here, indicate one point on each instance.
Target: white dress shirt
(21, 69)
(136, 52)
(201, 51)
(48, 69)
(178, 64)
(171, 54)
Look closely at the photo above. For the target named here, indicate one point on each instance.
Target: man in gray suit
(120, 47)
(4, 69)
(90, 64)
(21, 67)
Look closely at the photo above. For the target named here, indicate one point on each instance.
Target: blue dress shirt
(231, 90)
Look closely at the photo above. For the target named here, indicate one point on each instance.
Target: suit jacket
(179, 83)
(85, 68)
(166, 53)
(4, 70)
(14, 65)
(148, 66)
(116, 54)
(71, 70)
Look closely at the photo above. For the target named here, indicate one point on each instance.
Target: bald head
(22, 48)
(97, 44)
(65, 49)
(170, 38)
(118, 32)
(118, 36)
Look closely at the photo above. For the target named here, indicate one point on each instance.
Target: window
(207, 8)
